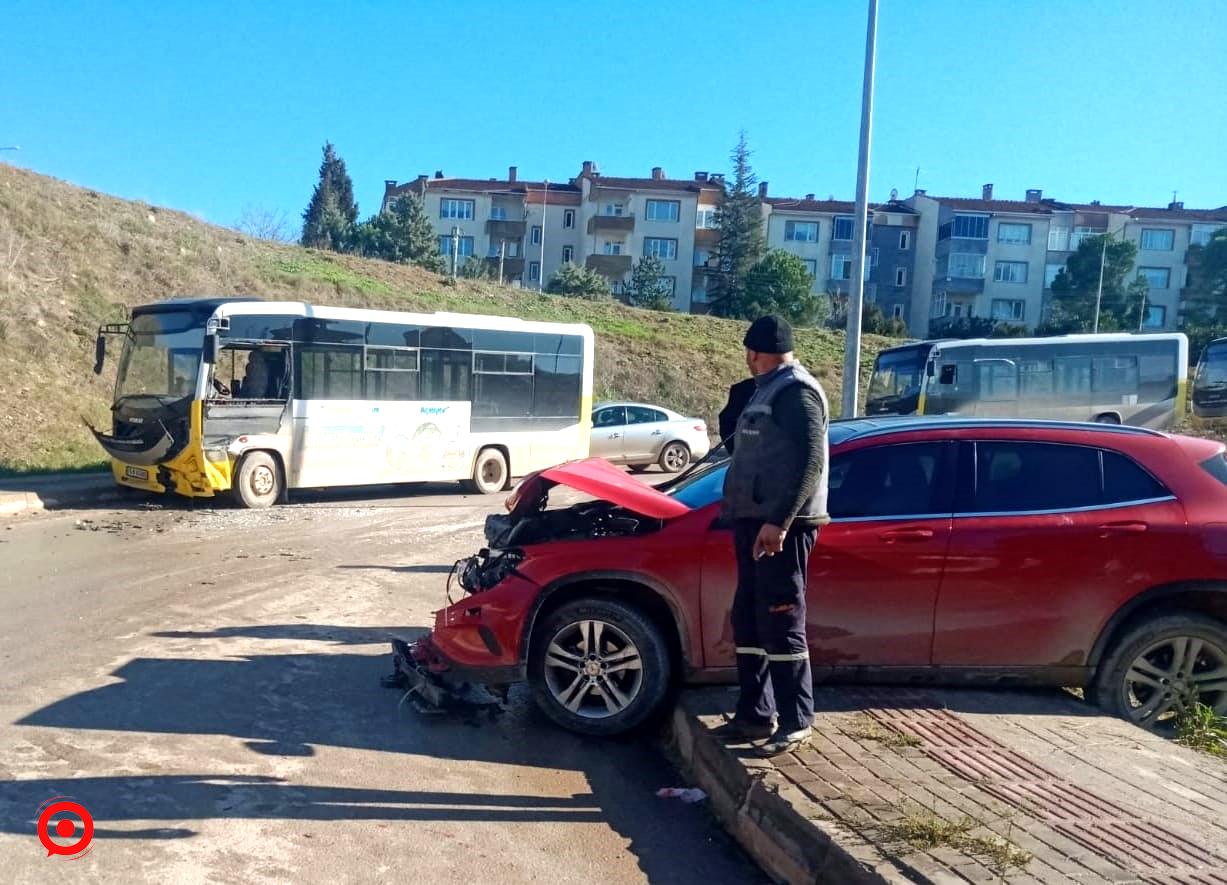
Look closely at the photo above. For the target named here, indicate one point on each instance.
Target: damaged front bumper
(433, 686)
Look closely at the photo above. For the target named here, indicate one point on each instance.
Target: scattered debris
(863, 728)
(689, 795)
(925, 831)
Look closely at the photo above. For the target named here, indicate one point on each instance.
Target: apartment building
(927, 257)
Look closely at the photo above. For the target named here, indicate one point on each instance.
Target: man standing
(775, 493)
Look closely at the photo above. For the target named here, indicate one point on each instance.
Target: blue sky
(213, 107)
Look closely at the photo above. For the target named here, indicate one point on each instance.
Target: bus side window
(949, 375)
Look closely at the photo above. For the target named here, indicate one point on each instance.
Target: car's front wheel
(1160, 668)
(599, 667)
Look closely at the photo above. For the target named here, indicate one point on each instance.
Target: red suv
(960, 551)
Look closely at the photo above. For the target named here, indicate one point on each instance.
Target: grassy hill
(72, 258)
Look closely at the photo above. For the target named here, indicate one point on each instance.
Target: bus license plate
(136, 473)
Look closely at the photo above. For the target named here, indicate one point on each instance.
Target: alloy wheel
(1172, 674)
(593, 669)
(675, 458)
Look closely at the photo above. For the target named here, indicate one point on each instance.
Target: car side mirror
(100, 353)
(929, 369)
(212, 348)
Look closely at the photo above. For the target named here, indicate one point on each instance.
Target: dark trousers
(772, 654)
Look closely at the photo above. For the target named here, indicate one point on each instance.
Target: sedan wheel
(675, 457)
(1159, 670)
(599, 667)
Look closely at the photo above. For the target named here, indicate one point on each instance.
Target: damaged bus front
(186, 408)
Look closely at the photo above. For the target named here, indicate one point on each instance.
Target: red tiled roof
(480, 185)
(839, 207)
(972, 204)
(663, 184)
(1163, 213)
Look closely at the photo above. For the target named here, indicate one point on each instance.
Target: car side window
(1124, 481)
(1025, 477)
(642, 415)
(612, 417)
(884, 481)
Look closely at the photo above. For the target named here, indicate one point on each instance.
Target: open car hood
(599, 478)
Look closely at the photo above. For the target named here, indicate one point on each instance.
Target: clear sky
(211, 107)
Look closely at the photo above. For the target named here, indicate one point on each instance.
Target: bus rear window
(1217, 467)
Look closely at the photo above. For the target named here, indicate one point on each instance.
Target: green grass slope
(72, 258)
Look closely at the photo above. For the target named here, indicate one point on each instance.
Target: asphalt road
(205, 681)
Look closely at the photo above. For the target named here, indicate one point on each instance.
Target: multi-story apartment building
(926, 258)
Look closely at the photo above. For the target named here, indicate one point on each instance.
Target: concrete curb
(56, 491)
(758, 807)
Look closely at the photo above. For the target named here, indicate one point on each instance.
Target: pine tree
(647, 286)
(742, 243)
(578, 282)
(403, 234)
(329, 218)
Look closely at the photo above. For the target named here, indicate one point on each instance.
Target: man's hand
(769, 542)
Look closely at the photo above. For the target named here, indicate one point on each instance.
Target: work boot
(785, 742)
(737, 731)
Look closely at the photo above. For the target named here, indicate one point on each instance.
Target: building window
(701, 257)
(1008, 309)
(568, 254)
(1082, 233)
(900, 276)
(897, 311)
(706, 218)
(801, 231)
(1158, 239)
(1050, 273)
(663, 248)
(841, 229)
(965, 266)
(535, 236)
(811, 267)
(663, 210)
(612, 248)
(1014, 234)
(969, 227)
(1010, 272)
(1058, 239)
(1156, 316)
(464, 246)
(534, 270)
(905, 240)
(841, 267)
(1202, 233)
(937, 308)
(450, 208)
(568, 218)
(498, 213)
(1157, 277)
(668, 285)
(613, 209)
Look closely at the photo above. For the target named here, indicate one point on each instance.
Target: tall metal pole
(856, 294)
(545, 201)
(502, 256)
(1103, 259)
(455, 249)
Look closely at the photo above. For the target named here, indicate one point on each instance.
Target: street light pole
(1103, 260)
(856, 294)
(455, 249)
(545, 201)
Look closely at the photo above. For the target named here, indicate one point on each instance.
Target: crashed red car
(960, 551)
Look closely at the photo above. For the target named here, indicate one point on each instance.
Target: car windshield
(161, 356)
(704, 486)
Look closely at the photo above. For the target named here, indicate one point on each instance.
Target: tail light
(702, 428)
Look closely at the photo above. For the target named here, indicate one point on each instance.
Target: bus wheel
(489, 473)
(1107, 418)
(258, 482)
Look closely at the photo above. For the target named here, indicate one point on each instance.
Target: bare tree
(264, 224)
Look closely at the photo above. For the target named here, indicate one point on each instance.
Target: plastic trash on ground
(686, 794)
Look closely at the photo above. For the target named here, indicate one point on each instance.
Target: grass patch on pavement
(864, 728)
(925, 831)
(1200, 728)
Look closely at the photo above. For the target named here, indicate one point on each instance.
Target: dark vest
(767, 463)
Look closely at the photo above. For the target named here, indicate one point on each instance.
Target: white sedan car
(641, 435)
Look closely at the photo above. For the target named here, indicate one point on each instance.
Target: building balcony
(613, 266)
(505, 230)
(512, 267)
(706, 237)
(611, 224)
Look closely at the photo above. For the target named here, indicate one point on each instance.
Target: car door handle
(906, 535)
(657, 432)
(615, 436)
(1128, 527)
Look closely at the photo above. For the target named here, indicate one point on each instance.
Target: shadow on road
(290, 704)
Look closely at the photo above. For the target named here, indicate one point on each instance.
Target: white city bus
(1111, 378)
(260, 397)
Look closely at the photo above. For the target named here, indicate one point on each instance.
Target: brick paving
(1038, 787)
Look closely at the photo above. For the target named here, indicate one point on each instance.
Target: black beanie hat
(769, 334)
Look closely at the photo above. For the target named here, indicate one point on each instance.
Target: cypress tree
(742, 243)
(329, 218)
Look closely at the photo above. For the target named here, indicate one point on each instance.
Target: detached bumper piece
(430, 690)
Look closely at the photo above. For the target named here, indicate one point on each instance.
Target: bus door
(996, 388)
(248, 395)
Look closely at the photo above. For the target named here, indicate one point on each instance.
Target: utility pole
(1103, 259)
(856, 294)
(455, 249)
(545, 200)
(502, 256)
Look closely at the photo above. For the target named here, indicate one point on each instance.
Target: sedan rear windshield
(1216, 467)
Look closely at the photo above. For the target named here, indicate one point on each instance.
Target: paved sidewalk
(977, 786)
(56, 490)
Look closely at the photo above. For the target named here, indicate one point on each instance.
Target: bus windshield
(897, 375)
(161, 356)
(1214, 365)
